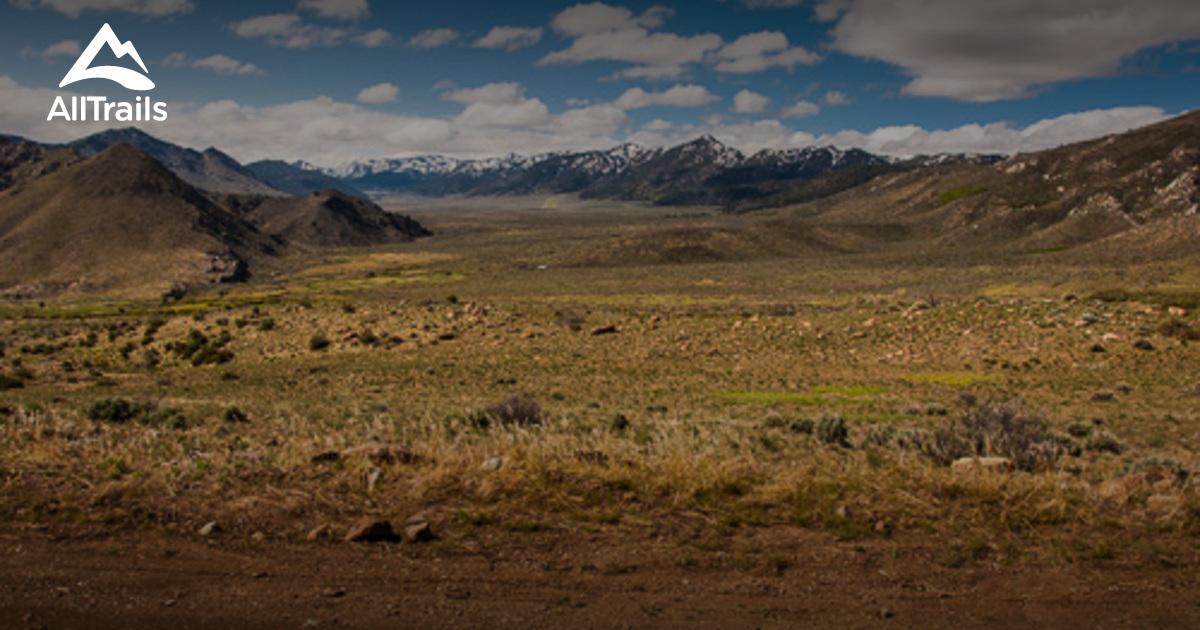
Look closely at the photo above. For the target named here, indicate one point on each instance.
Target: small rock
(418, 531)
(1142, 344)
(1098, 349)
(369, 529)
(449, 336)
(1113, 337)
(1177, 311)
(210, 528)
(1164, 504)
(333, 593)
(495, 463)
(971, 465)
(373, 478)
(885, 613)
(320, 532)
(258, 536)
(604, 330)
(169, 603)
(1104, 397)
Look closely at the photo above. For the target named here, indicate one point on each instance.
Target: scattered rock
(1098, 349)
(333, 593)
(211, 528)
(1113, 337)
(972, 465)
(1177, 311)
(449, 336)
(373, 478)
(885, 613)
(369, 529)
(1165, 505)
(1104, 397)
(418, 530)
(1143, 344)
(320, 532)
(604, 330)
(258, 536)
(495, 463)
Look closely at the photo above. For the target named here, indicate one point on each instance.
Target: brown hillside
(325, 219)
(120, 222)
(1142, 182)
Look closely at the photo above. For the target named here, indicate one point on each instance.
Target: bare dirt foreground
(615, 579)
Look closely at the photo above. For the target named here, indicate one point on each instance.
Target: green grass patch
(850, 390)
(956, 379)
(960, 193)
(771, 398)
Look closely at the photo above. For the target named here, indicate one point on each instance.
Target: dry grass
(688, 414)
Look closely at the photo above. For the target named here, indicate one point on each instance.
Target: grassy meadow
(570, 365)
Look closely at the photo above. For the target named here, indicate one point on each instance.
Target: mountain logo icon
(130, 79)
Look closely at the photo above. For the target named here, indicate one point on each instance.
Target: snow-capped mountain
(703, 171)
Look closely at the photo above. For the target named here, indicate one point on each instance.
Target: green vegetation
(950, 196)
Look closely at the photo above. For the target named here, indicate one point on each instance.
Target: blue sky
(336, 80)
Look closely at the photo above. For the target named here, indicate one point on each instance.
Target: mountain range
(123, 212)
(701, 172)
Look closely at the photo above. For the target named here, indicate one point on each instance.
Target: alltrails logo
(101, 109)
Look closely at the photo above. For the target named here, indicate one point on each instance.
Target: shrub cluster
(199, 349)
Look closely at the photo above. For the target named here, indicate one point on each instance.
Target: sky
(331, 81)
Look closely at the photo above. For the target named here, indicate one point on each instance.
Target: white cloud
(801, 109)
(834, 98)
(444, 84)
(756, 52)
(338, 9)
(747, 102)
(493, 94)
(382, 93)
(677, 96)
(75, 8)
(329, 132)
(288, 30)
(433, 38)
(220, 64)
(603, 32)
(65, 48)
(374, 39)
(525, 113)
(510, 37)
(989, 51)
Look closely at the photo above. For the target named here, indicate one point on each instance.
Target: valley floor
(612, 417)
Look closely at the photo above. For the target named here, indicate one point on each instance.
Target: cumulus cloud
(510, 37)
(65, 48)
(990, 51)
(374, 39)
(337, 9)
(506, 93)
(75, 8)
(677, 96)
(603, 32)
(801, 109)
(219, 64)
(755, 52)
(998, 137)
(329, 132)
(288, 30)
(382, 93)
(747, 102)
(835, 98)
(433, 38)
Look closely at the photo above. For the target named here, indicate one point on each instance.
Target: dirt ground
(60, 579)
